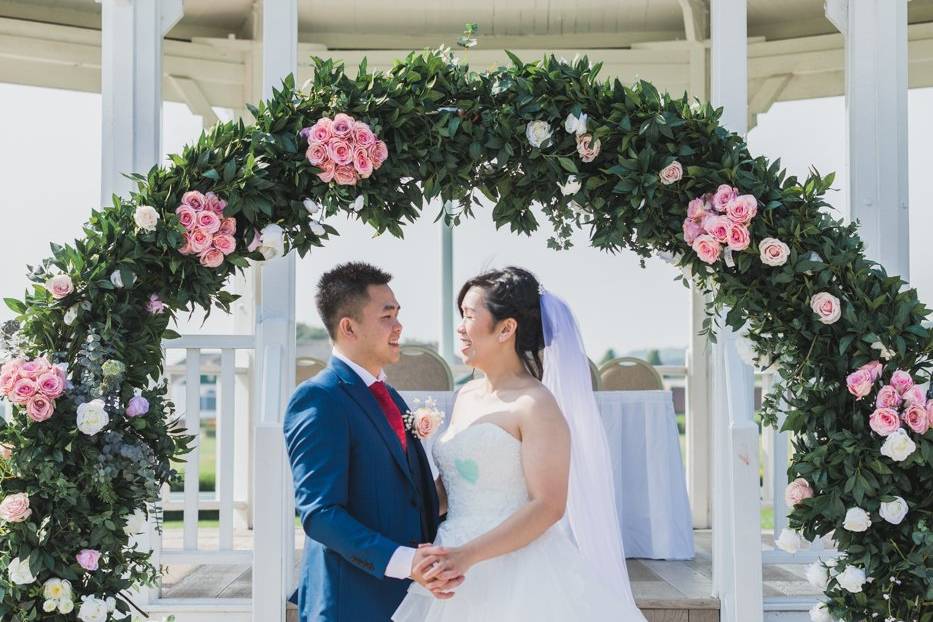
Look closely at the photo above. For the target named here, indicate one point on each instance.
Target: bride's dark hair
(513, 293)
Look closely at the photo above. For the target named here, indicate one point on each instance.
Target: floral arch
(92, 433)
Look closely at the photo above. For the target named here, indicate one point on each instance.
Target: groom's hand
(427, 557)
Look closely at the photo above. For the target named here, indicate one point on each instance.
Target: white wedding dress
(547, 580)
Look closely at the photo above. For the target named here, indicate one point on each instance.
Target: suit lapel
(364, 398)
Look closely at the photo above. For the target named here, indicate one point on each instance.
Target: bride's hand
(452, 564)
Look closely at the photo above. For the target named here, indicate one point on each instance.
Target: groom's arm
(317, 438)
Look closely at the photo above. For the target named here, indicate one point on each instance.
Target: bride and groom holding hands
(520, 524)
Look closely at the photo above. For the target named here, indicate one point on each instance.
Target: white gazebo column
(737, 572)
(875, 33)
(445, 344)
(273, 520)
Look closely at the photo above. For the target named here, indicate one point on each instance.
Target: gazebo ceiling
(406, 24)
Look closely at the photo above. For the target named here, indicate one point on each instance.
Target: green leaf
(15, 305)
(168, 333)
(567, 164)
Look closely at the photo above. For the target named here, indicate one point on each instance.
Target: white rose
(92, 417)
(773, 252)
(135, 523)
(817, 575)
(897, 446)
(571, 187)
(53, 589)
(819, 613)
(575, 125)
(857, 519)
(273, 241)
(789, 541)
(71, 315)
(358, 203)
(66, 606)
(851, 579)
(49, 606)
(316, 228)
(538, 133)
(146, 217)
(894, 511)
(19, 572)
(312, 206)
(93, 610)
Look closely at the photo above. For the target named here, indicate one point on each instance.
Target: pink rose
(887, 397)
(214, 203)
(826, 306)
(60, 286)
(340, 152)
(12, 366)
(255, 243)
(321, 131)
(915, 395)
(15, 508)
(137, 406)
(797, 491)
(317, 154)
(227, 226)
(226, 244)
(155, 306)
(88, 559)
(859, 383)
(200, 240)
(23, 390)
(186, 216)
(209, 221)
(707, 248)
(916, 418)
(723, 195)
(33, 369)
(363, 136)
(901, 381)
(742, 208)
(345, 176)
(39, 408)
(378, 153)
(6, 383)
(874, 368)
(328, 169)
(929, 410)
(51, 384)
(692, 230)
(211, 258)
(362, 163)
(587, 147)
(884, 421)
(6, 452)
(739, 238)
(718, 227)
(773, 252)
(696, 208)
(194, 199)
(671, 173)
(342, 126)
(186, 247)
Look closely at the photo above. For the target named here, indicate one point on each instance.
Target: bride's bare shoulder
(536, 401)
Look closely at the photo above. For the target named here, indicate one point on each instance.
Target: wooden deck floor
(666, 591)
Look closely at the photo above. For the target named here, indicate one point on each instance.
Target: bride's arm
(546, 464)
(441, 496)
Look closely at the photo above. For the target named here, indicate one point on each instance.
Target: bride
(525, 473)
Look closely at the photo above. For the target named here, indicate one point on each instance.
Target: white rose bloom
(116, 278)
(575, 125)
(53, 589)
(817, 575)
(92, 417)
(19, 572)
(146, 217)
(538, 133)
(312, 206)
(894, 511)
(851, 579)
(857, 519)
(789, 541)
(71, 315)
(316, 228)
(135, 523)
(897, 446)
(273, 241)
(571, 187)
(49, 606)
(819, 613)
(93, 610)
(66, 606)
(358, 203)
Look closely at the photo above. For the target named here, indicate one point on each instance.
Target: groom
(363, 484)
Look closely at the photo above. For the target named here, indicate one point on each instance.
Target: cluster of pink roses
(344, 149)
(898, 400)
(208, 234)
(34, 384)
(718, 219)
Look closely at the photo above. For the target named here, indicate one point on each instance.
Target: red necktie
(391, 411)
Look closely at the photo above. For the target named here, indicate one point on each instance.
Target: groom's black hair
(342, 292)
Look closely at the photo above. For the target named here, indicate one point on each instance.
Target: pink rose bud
(874, 368)
(696, 208)
(671, 173)
(707, 248)
(194, 199)
(859, 383)
(228, 226)
(23, 390)
(215, 204)
(40, 408)
(362, 135)
(884, 421)
(15, 508)
(187, 216)
(916, 418)
(200, 240)
(211, 258)
(587, 148)
(88, 559)
(226, 244)
(328, 170)
(797, 491)
(317, 154)
(345, 176)
(915, 395)
(342, 125)
(901, 381)
(692, 230)
(742, 209)
(340, 152)
(888, 397)
(51, 384)
(322, 131)
(718, 227)
(378, 153)
(362, 163)
(739, 237)
(209, 221)
(60, 286)
(723, 195)
(826, 306)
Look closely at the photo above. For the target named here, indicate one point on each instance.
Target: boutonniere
(425, 420)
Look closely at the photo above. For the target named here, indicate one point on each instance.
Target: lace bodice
(481, 468)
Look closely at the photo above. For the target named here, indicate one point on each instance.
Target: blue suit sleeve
(317, 439)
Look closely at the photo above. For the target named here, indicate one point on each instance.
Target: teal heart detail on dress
(468, 470)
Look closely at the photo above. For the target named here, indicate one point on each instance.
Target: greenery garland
(92, 435)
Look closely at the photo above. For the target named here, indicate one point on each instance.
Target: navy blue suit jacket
(359, 495)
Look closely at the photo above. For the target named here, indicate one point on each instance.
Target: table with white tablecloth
(651, 489)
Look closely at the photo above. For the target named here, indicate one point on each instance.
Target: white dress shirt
(400, 564)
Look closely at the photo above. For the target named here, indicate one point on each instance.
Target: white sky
(50, 177)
